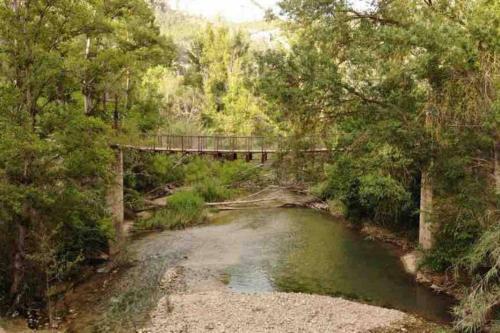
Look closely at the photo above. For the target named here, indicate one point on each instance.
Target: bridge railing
(233, 144)
(214, 143)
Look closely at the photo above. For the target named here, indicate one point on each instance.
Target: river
(261, 250)
(302, 250)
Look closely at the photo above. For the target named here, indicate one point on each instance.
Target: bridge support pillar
(114, 200)
(426, 228)
(263, 158)
(248, 157)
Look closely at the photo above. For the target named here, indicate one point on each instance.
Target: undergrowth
(183, 209)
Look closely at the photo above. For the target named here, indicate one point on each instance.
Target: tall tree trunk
(497, 166)
(116, 114)
(18, 266)
(87, 99)
(114, 199)
(128, 90)
(26, 104)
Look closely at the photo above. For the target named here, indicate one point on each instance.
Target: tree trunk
(128, 89)
(497, 167)
(18, 268)
(116, 114)
(19, 250)
(114, 201)
(87, 100)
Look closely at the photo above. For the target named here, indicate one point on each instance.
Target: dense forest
(405, 93)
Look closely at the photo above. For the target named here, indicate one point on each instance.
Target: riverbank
(183, 308)
(411, 256)
(218, 311)
(406, 249)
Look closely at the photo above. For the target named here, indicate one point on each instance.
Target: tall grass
(203, 180)
(183, 209)
(483, 300)
(212, 190)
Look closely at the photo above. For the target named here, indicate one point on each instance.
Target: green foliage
(183, 209)
(71, 72)
(148, 172)
(235, 173)
(482, 302)
(145, 172)
(400, 89)
(384, 199)
(228, 173)
(215, 180)
(212, 190)
(213, 91)
(208, 180)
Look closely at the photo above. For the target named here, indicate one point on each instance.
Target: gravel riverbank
(222, 311)
(187, 308)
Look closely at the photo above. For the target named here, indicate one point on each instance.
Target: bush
(384, 199)
(229, 173)
(236, 172)
(145, 172)
(483, 263)
(453, 241)
(199, 169)
(183, 209)
(211, 190)
(213, 180)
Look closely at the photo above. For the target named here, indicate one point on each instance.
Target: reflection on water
(301, 250)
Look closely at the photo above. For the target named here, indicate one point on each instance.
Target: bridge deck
(215, 151)
(223, 145)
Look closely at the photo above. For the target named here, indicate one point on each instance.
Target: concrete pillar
(426, 229)
(263, 158)
(114, 199)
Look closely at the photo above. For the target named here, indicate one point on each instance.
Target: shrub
(183, 209)
(483, 263)
(453, 241)
(382, 198)
(235, 172)
(229, 173)
(144, 172)
(199, 169)
(211, 190)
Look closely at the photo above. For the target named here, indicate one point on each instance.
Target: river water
(259, 250)
(302, 250)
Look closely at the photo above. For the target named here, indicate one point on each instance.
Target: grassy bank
(194, 181)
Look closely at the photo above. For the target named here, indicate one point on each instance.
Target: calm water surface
(301, 250)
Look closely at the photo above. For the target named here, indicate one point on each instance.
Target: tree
(61, 63)
(219, 66)
(406, 90)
